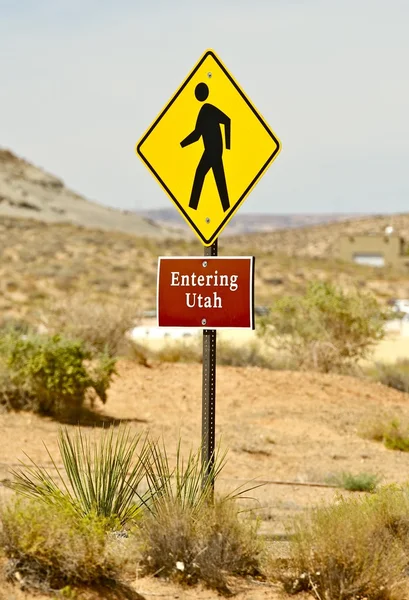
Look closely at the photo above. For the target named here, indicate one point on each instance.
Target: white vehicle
(150, 333)
(401, 306)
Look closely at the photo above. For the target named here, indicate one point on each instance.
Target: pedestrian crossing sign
(208, 147)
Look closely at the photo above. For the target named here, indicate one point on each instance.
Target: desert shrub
(228, 353)
(208, 546)
(53, 374)
(243, 355)
(327, 329)
(99, 477)
(396, 436)
(361, 482)
(355, 548)
(12, 324)
(13, 395)
(171, 351)
(394, 375)
(102, 326)
(179, 351)
(139, 353)
(51, 549)
(390, 431)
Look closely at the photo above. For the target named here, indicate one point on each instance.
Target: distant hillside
(319, 241)
(41, 264)
(27, 191)
(243, 223)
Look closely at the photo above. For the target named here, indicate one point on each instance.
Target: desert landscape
(295, 434)
(48, 255)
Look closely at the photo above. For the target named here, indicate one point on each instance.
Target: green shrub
(55, 374)
(356, 548)
(208, 546)
(327, 329)
(99, 476)
(362, 482)
(51, 549)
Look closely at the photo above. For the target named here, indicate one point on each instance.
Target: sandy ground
(279, 427)
(283, 428)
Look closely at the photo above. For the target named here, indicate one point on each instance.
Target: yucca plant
(100, 477)
(189, 484)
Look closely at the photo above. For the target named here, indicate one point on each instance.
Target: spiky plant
(188, 484)
(100, 477)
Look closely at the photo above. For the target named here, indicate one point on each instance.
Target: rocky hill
(29, 192)
(244, 223)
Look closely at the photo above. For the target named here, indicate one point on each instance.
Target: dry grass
(178, 351)
(102, 326)
(229, 353)
(43, 263)
(394, 375)
(51, 549)
(355, 548)
(209, 547)
(391, 431)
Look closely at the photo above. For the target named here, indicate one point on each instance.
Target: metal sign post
(208, 106)
(209, 392)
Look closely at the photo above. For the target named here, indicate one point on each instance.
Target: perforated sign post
(208, 148)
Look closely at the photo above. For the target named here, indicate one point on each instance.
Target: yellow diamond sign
(208, 147)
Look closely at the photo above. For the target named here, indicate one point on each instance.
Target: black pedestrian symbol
(208, 127)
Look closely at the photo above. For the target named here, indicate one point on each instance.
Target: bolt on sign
(208, 147)
(208, 293)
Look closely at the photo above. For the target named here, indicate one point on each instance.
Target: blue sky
(82, 79)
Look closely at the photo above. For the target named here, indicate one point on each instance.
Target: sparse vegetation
(50, 375)
(355, 548)
(249, 355)
(186, 485)
(102, 326)
(177, 351)
(394, 375)
(51, 260)
(50, 549)
(361, 482)
(207, 546)
(228, 353)
(173, 530)
(100, 477)
(389, 430)
(327, 329)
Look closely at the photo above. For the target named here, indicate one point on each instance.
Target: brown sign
(209, 292)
